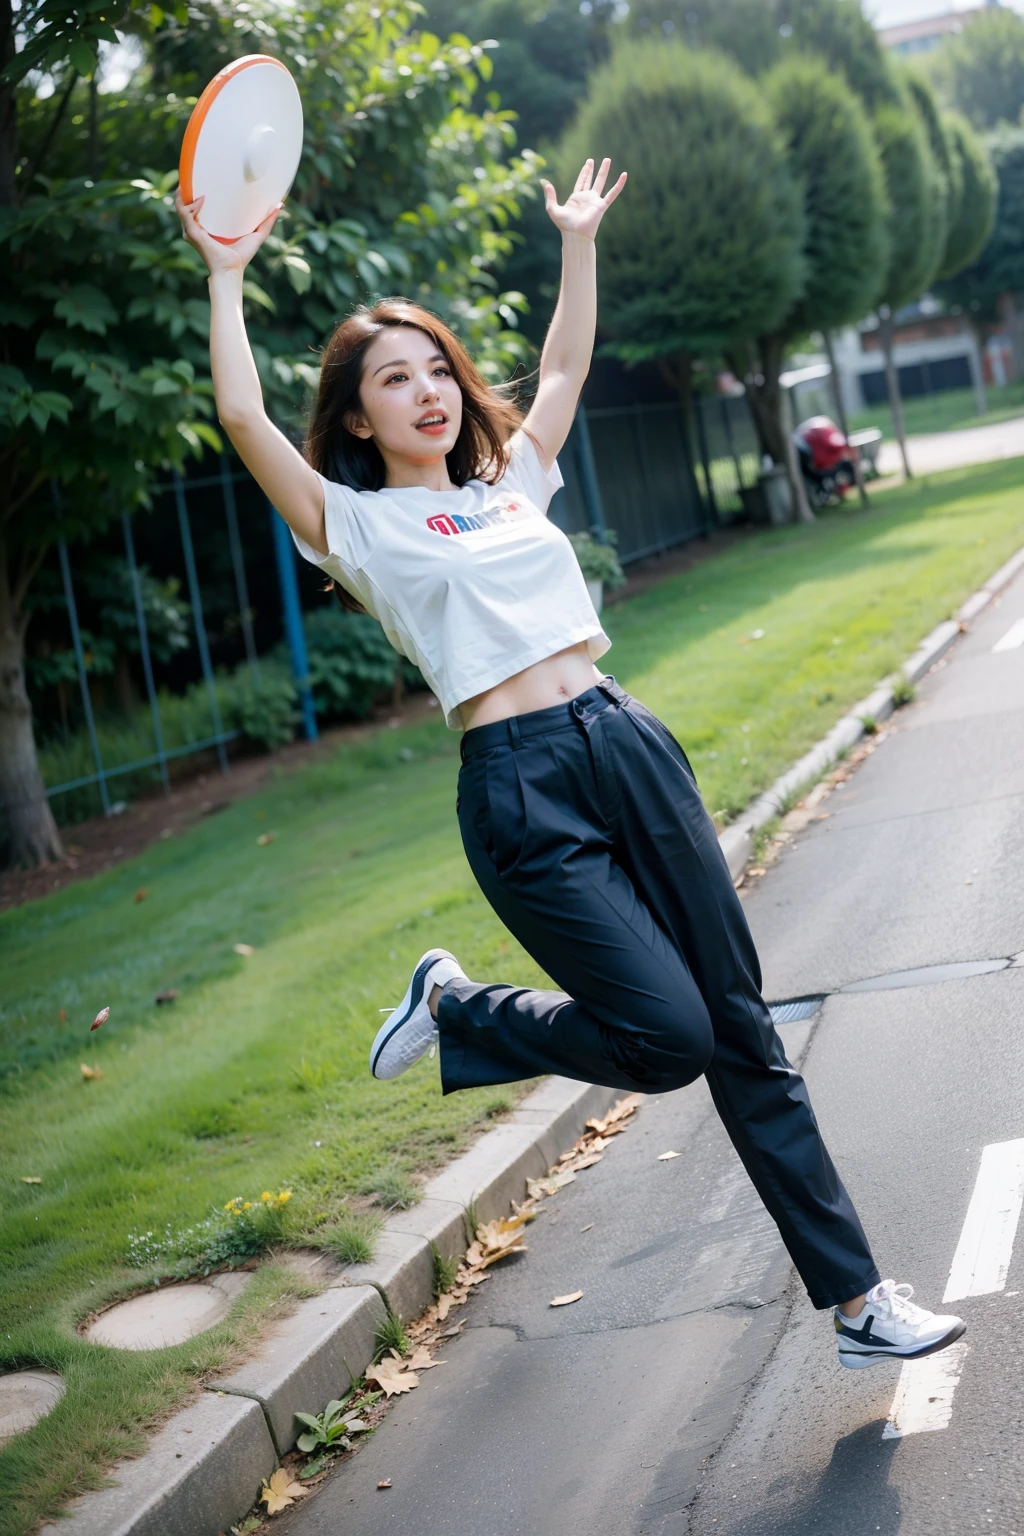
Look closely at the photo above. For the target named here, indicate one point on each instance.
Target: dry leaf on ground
(497, 1238)
(420, 1360)
(89, 1072)
(391, 1376)
(565, 1301)
(265, 838)
(385, 1482)
(663, 1157)
(280, 1491)
(101, 1018)
(537, 1187)
(167, 996)
(141, 894)
(244, 949)
(30, 1178)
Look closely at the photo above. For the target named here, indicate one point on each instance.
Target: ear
(357, 424)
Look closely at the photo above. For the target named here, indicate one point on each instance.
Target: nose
(428, 389)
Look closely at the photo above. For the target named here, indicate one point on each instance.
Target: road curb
(241, 1425)
(737, 840)
(203, 1469)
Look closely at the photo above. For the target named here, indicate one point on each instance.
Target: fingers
(613, 194)
(550, 196)
(583, 179)
(602, 176)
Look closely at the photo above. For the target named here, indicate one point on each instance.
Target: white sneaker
(411, 1029)
(891, 1327)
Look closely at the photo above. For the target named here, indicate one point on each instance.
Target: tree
(103, 370)
(994, 192)
(832, 155)
(911, 189)
(969, 230)
(982, 68)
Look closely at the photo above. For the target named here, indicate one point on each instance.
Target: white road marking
(924, 1396)
(986, 1243)
(924, 1393)
(1014, 636)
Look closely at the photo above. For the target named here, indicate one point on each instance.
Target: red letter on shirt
(442, 523)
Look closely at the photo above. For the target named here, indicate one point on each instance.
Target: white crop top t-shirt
(473, 585)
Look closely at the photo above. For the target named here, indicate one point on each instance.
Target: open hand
(220, 257)
(586, 205)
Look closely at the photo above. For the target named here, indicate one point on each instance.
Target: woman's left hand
(583, 210)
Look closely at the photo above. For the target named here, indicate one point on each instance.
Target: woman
(424, 498)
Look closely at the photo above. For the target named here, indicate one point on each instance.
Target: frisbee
(242, 145)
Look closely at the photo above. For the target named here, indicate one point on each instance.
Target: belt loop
(611, 690)
(513, 733)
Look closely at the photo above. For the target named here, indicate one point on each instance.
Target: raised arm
(274, 463)
(565, 360)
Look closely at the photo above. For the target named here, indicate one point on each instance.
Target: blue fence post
(238, 561)
(197, 616)
(284, 550)
(83, 681)
(589, 483)
(147, 663)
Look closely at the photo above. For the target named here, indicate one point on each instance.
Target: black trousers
(586, 831)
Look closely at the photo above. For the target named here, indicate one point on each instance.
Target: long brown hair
(489, 414)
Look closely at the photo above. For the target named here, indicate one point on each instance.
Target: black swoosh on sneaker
(861, 1335)
(415, 998)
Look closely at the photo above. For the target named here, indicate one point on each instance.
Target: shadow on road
(852, 1497)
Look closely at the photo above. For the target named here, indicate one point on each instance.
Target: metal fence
(631, 468)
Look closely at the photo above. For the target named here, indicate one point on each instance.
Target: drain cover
(796, 1008)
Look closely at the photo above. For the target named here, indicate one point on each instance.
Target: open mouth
(433, 425)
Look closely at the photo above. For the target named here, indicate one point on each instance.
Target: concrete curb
(203, 1469)
(242, 1424)
(738, 838)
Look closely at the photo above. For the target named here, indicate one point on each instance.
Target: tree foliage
(711, 250)
(999, 268)
(977, 194)
(982, 68)
(944, 169)
(910, 186)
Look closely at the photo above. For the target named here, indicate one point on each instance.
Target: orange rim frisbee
(242, 145)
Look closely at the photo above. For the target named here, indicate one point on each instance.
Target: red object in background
(826, 459)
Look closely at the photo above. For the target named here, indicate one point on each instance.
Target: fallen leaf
(587, 1228)
(444, 1306)
(168, 996)
(385, 1482)
(565, 1301)
(495, 1239)
(63, 1017)
(140, 894)
(391, 1378)
(663, 1157)
(101, 1018)
(588, 1162)
(89, 1072)
(450, 1333)
(420, 1360)
(280, 1491)
(265, 838)
(244, 949)
(30, 1178)
(535, 1188)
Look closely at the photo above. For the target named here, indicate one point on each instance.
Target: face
(411, 404)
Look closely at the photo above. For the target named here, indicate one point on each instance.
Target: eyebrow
(401, 362)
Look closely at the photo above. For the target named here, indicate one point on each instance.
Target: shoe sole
(410, 1002)
(857, 1361)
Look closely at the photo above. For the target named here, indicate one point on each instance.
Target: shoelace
(898, 1297)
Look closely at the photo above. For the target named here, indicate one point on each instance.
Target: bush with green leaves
(599, 561)
(331, 1430)
(352, 665)
(242, 1229)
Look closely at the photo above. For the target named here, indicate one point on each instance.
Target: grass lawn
(946, 412)
(255, 1078)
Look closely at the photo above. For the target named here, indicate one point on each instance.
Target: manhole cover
(25, 1398)
(798, 1008)
(170, 1315)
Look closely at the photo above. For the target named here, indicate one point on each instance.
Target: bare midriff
(555, 680)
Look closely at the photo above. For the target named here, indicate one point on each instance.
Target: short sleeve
(526, 473)
(350, 536)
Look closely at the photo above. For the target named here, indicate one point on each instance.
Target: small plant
(445, 1270)
(870, 725)
(352, 1239)
(311, 1077)
(903, 691)
(761, 839)
(330, 1430)
(391, 1335)
(242, 1229)
(498, 1106)
(392, 1191)
(471, 1219)
(598, 562)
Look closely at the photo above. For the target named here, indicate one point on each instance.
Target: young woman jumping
(423, 494)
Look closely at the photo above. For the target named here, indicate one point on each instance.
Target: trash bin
(778, 498)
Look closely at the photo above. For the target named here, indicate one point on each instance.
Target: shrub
(242, 1230)
(352, 665)
(598, 562)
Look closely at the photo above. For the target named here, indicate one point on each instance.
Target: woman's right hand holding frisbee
(218, 256)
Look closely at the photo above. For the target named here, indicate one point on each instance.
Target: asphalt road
(693, 1390)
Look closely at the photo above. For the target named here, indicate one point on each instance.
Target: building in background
(910, 37)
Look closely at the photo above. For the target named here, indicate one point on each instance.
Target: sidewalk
(604, 1414)
(934, 451)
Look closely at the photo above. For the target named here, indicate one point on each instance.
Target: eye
(443, 370)
(396, 378)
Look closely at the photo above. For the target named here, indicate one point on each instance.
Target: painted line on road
(986, 1243)
(924, 1396)
(924, 1393)
(1012, 639)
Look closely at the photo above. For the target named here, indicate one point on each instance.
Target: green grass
(946, 412)
(256, 1077)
